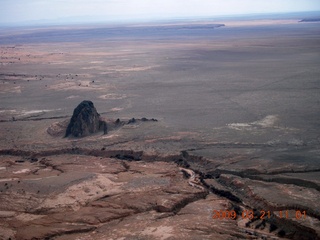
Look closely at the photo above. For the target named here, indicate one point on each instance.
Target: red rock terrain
(95, 194)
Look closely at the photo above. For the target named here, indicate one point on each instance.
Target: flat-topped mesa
(85, 121)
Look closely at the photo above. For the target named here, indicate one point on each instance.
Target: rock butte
(85, 121)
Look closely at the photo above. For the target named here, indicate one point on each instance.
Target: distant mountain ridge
(310, 20)
(75, 20)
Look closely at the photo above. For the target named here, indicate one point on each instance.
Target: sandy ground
(238, 105)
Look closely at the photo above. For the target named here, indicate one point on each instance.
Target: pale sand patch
(72, 96)
(130, 69)
(96, 62)
(267, 122)
(116, 109)
(8, 179)
(259, 22)
(41, 178)
(8, 111)
(137, 69)
(5, 88)
(119, 69)
(239, 126)
(113, 96)
(26, 217)
(90, 68)
(24, 112)
(83, 85)
(109, 136)
(82, 193)
(19, 77)
(26, 170)
(31, 112)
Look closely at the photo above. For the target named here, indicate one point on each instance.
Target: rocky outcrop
(58, 129)
(73, 196)
(85, 121)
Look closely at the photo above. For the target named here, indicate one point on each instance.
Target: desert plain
(237, 105)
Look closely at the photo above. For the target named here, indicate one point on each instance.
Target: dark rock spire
(85, 120)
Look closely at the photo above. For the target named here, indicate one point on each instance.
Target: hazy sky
(29, 10)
